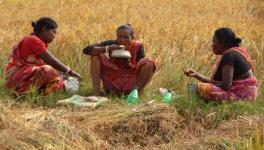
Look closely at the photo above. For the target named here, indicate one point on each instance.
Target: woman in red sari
(233, 77)
(120, 75)
(31, 65)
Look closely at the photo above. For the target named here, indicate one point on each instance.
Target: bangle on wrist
(203, 78)
(107, 49)
(68, 71)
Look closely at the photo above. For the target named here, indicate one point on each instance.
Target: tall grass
(255, 141)
(178, 33)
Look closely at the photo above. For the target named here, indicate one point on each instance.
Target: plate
(121, 54)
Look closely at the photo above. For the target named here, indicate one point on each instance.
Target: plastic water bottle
(132, 98)
(167, 97)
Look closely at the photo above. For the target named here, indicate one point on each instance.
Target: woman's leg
(211, 92)
(43, 78)
(145, 74)
(95, 68)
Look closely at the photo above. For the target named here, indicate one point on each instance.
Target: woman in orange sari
(120, 75)
(233, 77)
(31, 65)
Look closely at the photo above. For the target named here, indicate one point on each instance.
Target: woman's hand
(74, 74)
(196, 75)
(126, 62)
(123, 61)
(190, 73)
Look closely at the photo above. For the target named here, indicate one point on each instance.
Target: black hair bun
(33, 24)
(237, 41)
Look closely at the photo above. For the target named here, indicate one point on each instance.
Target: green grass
(183, 102)
(186, 106)
(209, 114)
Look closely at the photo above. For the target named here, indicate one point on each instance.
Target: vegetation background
(178, 33)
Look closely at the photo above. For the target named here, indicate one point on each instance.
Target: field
(178, 33)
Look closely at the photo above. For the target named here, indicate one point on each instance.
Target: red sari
(240, 89)
(118, 78)
(26, 70)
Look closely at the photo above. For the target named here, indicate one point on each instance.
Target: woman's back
(32, 45)
(235, 59)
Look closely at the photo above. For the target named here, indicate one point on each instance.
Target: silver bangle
(203, 78)
(107, 49)
(68, 70)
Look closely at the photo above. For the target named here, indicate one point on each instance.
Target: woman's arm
(55, 63)
(141, 53)
(227, 77)
(103, 47)
(202, 78)
(99, 49)
(196, 75)
(94, 49)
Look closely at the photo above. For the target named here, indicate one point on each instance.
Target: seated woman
(120, 75)
(31, 65)
(233, 77)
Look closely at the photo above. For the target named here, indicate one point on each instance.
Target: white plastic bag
(72, 84)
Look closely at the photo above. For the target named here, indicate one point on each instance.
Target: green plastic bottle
(167, 97)
(132, 97)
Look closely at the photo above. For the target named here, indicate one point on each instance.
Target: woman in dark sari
(233, 77)
(120, 75)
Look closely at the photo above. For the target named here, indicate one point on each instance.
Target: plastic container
(167, 97)
(132, 98)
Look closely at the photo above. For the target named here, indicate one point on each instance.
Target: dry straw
(177, 32)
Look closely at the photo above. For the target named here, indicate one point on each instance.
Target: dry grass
(152, 126)
(176, 32)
